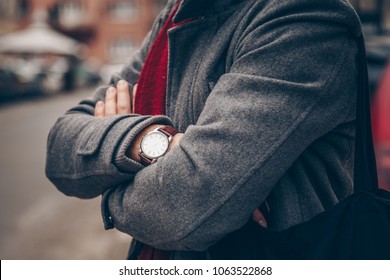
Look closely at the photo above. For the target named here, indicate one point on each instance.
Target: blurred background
(53, 53)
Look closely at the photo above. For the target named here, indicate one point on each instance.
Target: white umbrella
(39, 38)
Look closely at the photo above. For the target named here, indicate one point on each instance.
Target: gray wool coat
(264, 92)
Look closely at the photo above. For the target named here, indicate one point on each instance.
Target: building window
(123, 10)
(120, 49)
(71, 13)
(370, 5)
(24, 8)
(5, 9)
(14, 9)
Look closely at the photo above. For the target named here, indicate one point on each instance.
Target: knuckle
(110, 93)
(123, 107)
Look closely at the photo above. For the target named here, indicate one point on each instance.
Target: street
(37, 221)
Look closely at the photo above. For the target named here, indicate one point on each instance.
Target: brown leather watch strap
(145, 160)
(168, 130)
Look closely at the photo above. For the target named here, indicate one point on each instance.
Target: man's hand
(118, 101)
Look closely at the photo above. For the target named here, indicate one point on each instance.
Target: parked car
(32, 75)
(40, 59)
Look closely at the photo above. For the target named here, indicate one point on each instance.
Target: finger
(258, 217)
(99, 109)
(134, 94)
(110, 104)
(123, 98)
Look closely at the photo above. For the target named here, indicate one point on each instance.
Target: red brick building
(110, 28)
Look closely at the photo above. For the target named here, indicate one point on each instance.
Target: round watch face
(154, 144)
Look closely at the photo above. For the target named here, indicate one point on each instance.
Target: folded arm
(256, 122)
(291, 82)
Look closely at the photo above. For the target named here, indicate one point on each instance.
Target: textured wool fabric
(265, 93)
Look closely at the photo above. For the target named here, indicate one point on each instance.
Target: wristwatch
(155, 144)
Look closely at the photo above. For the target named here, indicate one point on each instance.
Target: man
(263, 93)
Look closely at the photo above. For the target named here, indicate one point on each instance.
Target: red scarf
(150, 100)
(152, 83)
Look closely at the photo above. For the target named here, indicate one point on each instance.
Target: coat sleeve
(86, 155)
(292, 80)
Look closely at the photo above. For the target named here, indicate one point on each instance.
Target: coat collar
(197, 8)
